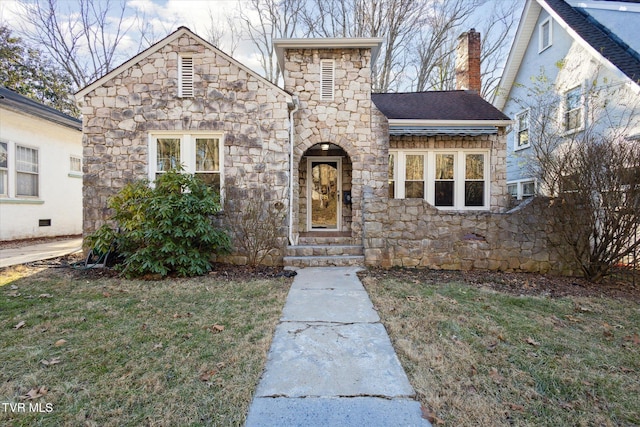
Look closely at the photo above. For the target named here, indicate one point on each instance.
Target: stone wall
(345, 121)
(412, 233)
(119, 115)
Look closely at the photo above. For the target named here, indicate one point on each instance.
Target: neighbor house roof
(21, 104)
(159, 45)
(460, 112)
(580, 21)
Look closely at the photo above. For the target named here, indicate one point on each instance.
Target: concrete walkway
(331, 362)
(39, 252)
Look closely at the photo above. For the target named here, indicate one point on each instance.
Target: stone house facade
(370, 179)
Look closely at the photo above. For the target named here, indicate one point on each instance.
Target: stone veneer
(345, 121)
(119, 115)
(412, 233)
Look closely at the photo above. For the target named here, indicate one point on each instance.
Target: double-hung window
(445, 179)
(545, 34)
(26, 171)
(197, 153)
(573, 110)
(522, 130)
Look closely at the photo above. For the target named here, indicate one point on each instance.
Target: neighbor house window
(545, 34)
(4, 169)
(26, 171)
(199, 154)
(573, 110)
(522, 189)
(327, 77)
(185, 77)
(522, 130)
(447, 180)
(75, 165)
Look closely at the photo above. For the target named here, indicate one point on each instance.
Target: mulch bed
(512, 283)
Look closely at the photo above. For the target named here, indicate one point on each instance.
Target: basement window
(327, 77)
(185, 77)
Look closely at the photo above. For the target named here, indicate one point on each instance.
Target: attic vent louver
(186, 77)
(326, 80)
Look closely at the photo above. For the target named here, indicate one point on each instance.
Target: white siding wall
(60, 195)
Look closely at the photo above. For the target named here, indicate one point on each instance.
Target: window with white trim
(522, 131)
(75, 165)
(522, 189)
(392, 175)
(327, 77)
(4, 169)
(447, 179)
(26, 172)
(545, 34)
(197, 153)
(185, 77)
(573, 110)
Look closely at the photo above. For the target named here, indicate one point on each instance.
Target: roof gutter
(450, 123)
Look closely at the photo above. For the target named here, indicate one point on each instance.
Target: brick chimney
(468, 61)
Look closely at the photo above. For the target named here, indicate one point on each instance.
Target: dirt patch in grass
(91, 349)
(501, 350)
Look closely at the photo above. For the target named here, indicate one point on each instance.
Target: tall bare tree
(591, 172)
(266, 20)
(85, 39)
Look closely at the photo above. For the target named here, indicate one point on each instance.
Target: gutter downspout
(296, 106)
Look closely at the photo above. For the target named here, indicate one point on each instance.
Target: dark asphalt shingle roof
(599, 38)
(436, 105)
(16, 102)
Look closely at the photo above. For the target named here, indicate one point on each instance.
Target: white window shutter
(186, 77)
(326, 80)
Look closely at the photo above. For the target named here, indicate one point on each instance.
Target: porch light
(324, 147)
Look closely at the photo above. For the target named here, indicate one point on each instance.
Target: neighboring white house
(40, 170)
(587, 53)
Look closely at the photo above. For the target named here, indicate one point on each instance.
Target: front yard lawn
(82, 349)
(478, 356)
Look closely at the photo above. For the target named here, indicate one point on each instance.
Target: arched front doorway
(325, 189)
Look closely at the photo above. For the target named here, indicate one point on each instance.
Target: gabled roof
(21, 104)
(159, 45)
(583, 27)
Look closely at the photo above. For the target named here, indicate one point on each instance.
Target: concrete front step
(324, 261)
(324, 250)
(327, 240)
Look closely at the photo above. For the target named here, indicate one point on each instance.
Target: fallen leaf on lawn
(45, 296)
(106, 294)
(51, 362)
(35, 393)
(206, 375)
(157, 346)
(414, 298)
(501, 338)
(495, 375)
(187, 336)
(492, 346)
(430, 415)
(14, 287)
(143, 327)
(20, 325)
(220, 365)
(635, 339)
(215, 328)
(516, 407)
(626, 370)
(587, 383)
(60, 343)
(566, 405)
(572, 319)
(532, 342)
(473, 370)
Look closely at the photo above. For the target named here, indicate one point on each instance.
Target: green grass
(479, 357)
(135, 351)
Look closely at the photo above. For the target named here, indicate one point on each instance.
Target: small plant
(164, 230)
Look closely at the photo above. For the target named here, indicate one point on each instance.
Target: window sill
(74, 175)
(6, 201)
(522, 147)
(544, 48)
